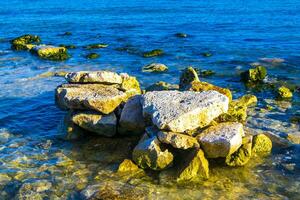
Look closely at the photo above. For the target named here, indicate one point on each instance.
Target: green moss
(261, 144)
(96, 46)
(284, 93)
(181, 35)
(161, 85)
(92, 56)
(25, 42)
(242, 155)
(187, 76)
(256, 74)
(153, 53)
(206, 54)
(51, 52)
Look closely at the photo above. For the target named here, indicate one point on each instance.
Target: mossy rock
(130, 83)
(284, 93)
(242, 155)
(96, 46)
(206, 54)
(161, 86)
(68, 46)
(181, 35)
(49, 52)
(256, 74)
(206, 73)
(25, 42)
(155, 67)
(92, 56)
(199, 86)
(188, 75)
(261, 144)
(127, 166)
(153, 53)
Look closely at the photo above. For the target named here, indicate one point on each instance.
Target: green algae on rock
(187, 76)
(96, 46)
(25, 42)
(127, 166)
(49, 52)
(284, 93)
(181, 35)
(155, 67)
(261, 144)
(256, 74)
(161, 85)
(153, 53)
(92, 56)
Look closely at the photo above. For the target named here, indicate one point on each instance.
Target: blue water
(237, 33)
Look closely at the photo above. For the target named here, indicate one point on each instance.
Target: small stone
(155, 67)
(221, 140)
(177, 140)
(206, 54)
(181, 35)
(149, 153)
(284, 93)
(161, 85)
(105, 77)
(153, 53)
(104, 125)
(25, 42)
(92, 56)
(254, 75)
(127, 166)
(132, 121)
(261, 144)
(196, 167)
(96, 46)
(187, 76)
(242, 155)
(49, 52)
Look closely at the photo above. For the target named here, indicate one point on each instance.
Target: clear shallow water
(237, 33)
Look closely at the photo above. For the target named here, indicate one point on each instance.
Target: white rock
(106, 77)
(183, 111)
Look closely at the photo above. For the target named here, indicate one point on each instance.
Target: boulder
(130, 83)
(127, 166)
(161, 85)
(105, 77)
(256, 74)
(25, 42)
(153, 53)
(155, 67)
(49, 52)
(104, 125)
(187, 76)
(262, 144)
(284, 93)
(196, 167)
(221, 140)
(242, 155)
(132, 120)
(177, 140)
(149, 153)
(102, 98)
(183, 111)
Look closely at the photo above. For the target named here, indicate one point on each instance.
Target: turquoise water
(237, 33)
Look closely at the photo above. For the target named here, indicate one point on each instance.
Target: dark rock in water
(92, 56)
(155, 67)
(206, 54)
(256, 74)
(161, 85)
(181, 35)
(49, 52)
(206, 73)
(68, 46)
(67, 33)
(96, 46)
(25, 42)
(153, 53)
(187, 76)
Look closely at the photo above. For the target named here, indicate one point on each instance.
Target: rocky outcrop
(105, 77)
(177, 140)
(184, 110)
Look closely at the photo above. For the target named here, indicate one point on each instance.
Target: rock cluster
(179, 129)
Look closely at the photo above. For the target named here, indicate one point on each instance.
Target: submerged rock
(69, 130)
(185, 111)
(105, 125)
(181, 35)
(206, 73)
(132, 121)
(284, 93)
(177, 140)
(254, 75)
(196, 167)
(155, 67)
(68, 46)
(105, 77)
(49, 52)
(92, 56)
(187, 76)
(221, 140)
(206, 54)
(25, 42)
(127, 166)
(242, 155)
(153, 53)
(161, 85)
(262, 144)
(96, 46)
(149, 153)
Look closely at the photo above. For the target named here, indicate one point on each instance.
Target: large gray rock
(149, 153)
(105, 77)
(221, 140)
(102, 98)
(105, 125)
(183, 111)
(132, 120)
(177, 140)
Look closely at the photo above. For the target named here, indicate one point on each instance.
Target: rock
(185, 111)
(221, 140)
(261, 144)
(105, 77)
(149, 153)
(33, 189)
(153, 53)
(130, 83)
(206, 54)
(196, 167)
(206, 73)
(254, 75)
(104, 125)
(96, 46)
(25, 42)
(68, 33)
(155, 67)
(161, 85)
(127, 166)
(49, 52)
(199, 86)
(181, 35)
(68, 46)
(293, 138)
(242, 155)
(284, 93)
(187, 76)
(92, 56)
(272, 60)
(68, 130)
(132, 121)
(102, 98)
(177, 140)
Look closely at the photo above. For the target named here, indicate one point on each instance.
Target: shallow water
(237, 33)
